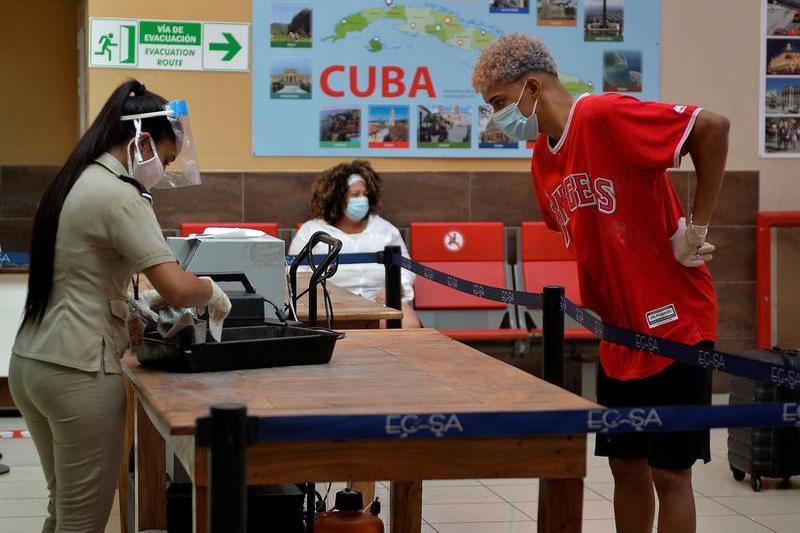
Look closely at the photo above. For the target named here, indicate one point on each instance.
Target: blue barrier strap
(507, 296)
(345, 259)
(527, 424)
(787, 376)
(782, 375)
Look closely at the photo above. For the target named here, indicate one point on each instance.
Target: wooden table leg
(560, 506)
(200, 490)
(122, 482)
(200, 508)
(406, 506)
(151, 484)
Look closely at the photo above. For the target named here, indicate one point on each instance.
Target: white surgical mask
(514, 124)
(148, 172)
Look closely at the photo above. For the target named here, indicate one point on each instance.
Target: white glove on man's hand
(148, 300)
(689, 244)
(219, 306)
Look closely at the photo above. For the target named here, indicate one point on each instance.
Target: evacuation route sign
(169, 44)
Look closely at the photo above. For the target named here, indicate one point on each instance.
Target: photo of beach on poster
(622, 71)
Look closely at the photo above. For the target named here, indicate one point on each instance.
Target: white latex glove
(218, 308)
(689, 244)
(148, 300)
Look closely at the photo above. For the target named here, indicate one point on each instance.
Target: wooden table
(372, 372)
(350, 311)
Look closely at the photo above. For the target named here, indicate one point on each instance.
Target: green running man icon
(106, 42)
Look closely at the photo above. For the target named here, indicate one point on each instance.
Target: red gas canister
(348, 516)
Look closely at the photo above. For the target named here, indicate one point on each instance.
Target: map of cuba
(420, 20)
(430, 22)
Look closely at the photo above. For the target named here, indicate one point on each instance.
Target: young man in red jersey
(599, 169)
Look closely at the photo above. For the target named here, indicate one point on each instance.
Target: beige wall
(711, 57)
(38, 81)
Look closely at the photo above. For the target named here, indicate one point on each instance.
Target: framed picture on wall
(779, 134)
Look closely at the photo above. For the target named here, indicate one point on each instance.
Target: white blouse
(366, 280)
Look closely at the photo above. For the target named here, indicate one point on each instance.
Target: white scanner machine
(262, 259)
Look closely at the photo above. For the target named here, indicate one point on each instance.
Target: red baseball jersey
(604, 186)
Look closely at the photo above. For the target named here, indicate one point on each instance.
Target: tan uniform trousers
(77, 421)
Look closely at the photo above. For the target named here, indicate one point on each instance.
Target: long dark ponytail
(107, 131)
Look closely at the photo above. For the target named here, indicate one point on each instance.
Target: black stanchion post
(227, 487)
(394, 287)
(553, 336)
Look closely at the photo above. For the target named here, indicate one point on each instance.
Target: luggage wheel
(738, 475)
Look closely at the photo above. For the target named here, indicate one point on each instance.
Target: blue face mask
(514, 124)
(357, 208)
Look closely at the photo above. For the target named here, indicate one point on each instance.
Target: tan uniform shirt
(106, 233)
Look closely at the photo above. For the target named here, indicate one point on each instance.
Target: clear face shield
(183, 171)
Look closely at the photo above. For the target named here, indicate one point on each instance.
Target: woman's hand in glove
(219, 306)
(148, 301)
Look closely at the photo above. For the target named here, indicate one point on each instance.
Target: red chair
(188, 228)
(545, 260)
(470, 250)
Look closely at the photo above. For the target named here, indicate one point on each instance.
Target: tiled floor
(476, 506)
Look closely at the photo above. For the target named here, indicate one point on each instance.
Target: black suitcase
(764, 452)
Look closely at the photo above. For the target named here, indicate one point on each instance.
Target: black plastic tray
(243, 348)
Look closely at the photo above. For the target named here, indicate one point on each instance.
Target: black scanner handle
(233, 277)
(324, 270)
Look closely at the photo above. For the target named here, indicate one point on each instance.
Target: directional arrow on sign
(232, 46)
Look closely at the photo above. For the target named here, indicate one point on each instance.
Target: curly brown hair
(329, 190)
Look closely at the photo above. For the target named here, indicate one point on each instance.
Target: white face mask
(148, 172)
(514, 124)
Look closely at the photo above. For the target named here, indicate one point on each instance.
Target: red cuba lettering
(370, 82)
(422, 82)
(325, 78)
(392, 82)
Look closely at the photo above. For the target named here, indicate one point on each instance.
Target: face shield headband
(183, 171)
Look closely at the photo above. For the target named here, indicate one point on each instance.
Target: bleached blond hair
(509, 58)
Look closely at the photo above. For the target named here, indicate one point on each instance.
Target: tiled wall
(435, 196)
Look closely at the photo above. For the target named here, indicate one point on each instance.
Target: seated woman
(344, 203)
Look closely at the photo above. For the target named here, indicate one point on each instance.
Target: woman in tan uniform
(94, 229)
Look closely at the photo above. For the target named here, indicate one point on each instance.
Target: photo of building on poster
(491, 137)
(291, 26)
(781, 135)
(340, 127)
(782, 96)
(388, 126)
(557, 13)
(783, 57)
(291, 78)
(604, 20)
(622, 71)
(509, 6)
(783, 19)
(444, 127)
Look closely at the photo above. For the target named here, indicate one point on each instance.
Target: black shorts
(678, 384)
